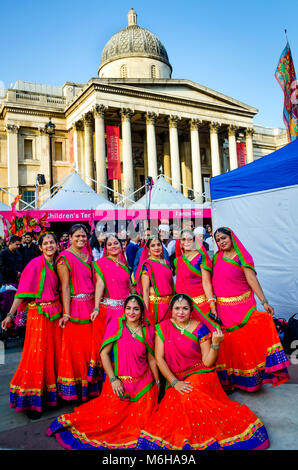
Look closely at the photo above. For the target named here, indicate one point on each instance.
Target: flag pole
(286, 36)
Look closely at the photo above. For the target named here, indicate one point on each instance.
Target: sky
(229, 46)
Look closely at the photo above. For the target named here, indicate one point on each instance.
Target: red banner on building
(241, 153)
(113, 153)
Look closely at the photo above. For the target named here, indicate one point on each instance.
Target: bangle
(66, 315)
(113, 379)
(96, 309)
(211, 300)
(264, 301)
(215, 347)
(11, 315)
(174, 381)
(157, 382)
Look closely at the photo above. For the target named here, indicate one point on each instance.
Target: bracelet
(213, 346)
(157, 382)
(113, 379)
(211, 300)
(264, 301)
(96, 309)
(66, 315)
(10, 315)
(174, 381)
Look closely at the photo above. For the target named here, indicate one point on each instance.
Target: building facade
(167, 126)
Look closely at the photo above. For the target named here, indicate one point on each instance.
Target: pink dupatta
(229, 282)
(131, 357)
(39, 283)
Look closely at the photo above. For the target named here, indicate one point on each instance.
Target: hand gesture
(63, 321)
(268, 308)
(117, 387)
(94, 315)
(183, 387)
(7, 323)
(217, 337)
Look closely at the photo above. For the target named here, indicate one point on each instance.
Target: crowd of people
(149, 331)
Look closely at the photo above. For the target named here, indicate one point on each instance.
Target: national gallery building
(168, 126)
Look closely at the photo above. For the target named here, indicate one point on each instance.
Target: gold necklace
(83, 256)
(133, 332)
(182, 329)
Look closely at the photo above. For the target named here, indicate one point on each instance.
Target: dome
(134, 42)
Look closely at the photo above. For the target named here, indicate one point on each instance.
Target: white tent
(75, 194)
(164, 196)
(259, 202)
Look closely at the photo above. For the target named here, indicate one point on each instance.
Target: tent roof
(276, 170)
(163, 195)
(75, 194)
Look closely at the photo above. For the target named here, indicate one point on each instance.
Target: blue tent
(277, 170)
(259, 201)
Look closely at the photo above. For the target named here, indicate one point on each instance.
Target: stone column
(196, 160)
(12, 161)
(174, 150)
(166, 157)
(232, 147)
(214, 146)
(249, 145)
(128, 180)
(100, 150)
(44, 156)
(89, 158)
(151, 145)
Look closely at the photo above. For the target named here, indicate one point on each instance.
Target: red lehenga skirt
(34, 384)
(204, 419)
(159, 308)
(106, 422)
(252, 355)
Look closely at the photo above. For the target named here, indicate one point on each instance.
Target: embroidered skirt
(106, 422)
(34, 384)
(204, 419)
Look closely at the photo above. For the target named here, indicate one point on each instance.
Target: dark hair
(181, 297)
(77, 227)
(223, 230)
(42, 237)
(28, 233)
(13, 239)
(150, 240)
(139, 301)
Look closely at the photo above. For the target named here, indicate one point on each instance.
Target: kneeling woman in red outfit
(129, 395)
(195, 413)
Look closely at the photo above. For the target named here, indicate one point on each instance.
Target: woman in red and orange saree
(193, 277)
(154, 280)
(129, 394)
(76, 275)
(34, 384)
(252, 353)
(196, 413)
(113, 286)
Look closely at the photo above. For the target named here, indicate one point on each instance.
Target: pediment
(184, 90)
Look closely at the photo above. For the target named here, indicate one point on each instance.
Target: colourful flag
(286, 77)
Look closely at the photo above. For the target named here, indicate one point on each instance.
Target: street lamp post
(50, 130)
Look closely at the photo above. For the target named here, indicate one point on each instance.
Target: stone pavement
(277, 407)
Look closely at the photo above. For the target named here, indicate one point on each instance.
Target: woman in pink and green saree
(129, 394)
(252, 353)
(196, 413)
(34, 384)
(154, 280)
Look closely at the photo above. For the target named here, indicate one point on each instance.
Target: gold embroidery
(166, 298)
(235, 300)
